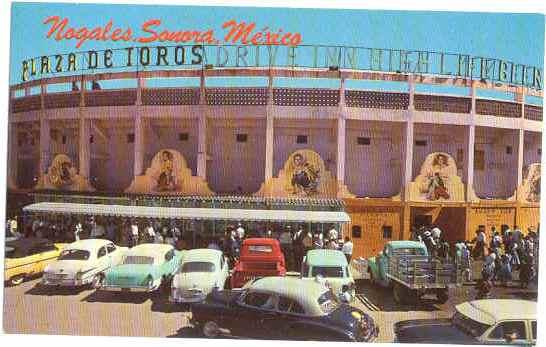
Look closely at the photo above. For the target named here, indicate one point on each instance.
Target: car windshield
(198, 266)
(260, 248)
(327, 271)
(469, 326)
(138, 260)
(408, 251)
(328, 302)
(74, 254)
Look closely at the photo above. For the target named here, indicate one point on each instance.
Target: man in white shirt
(151, 232)
(134, 233)
(240, 232)
(436, 234)
(77, 231)
(332, 234)
(347, 249)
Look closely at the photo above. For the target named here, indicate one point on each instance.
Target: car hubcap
(210, 329)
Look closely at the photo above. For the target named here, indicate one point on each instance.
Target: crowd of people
(294, 242)
(502, 253)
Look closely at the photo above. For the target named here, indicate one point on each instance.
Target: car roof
(88, 244)
(305, 292)
(491, 311)
(326, 257)
(406, 244)
(149, 249)
(202, 254)
(260, 241)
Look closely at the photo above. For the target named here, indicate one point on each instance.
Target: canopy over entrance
(189, 213)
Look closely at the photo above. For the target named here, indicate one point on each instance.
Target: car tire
(16, 280)
(211, 329)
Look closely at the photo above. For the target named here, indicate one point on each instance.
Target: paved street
(32, 309)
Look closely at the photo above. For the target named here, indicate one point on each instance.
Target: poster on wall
(222, 172)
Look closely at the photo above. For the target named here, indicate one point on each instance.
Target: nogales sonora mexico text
(245, 45)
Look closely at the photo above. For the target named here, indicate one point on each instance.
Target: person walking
(77, 231)
(134, 234)
(466, 263)
(347, 249)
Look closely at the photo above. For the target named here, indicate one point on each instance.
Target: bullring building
(389, 159)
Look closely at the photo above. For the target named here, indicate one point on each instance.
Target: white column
(521, 135)
(269, 132)
(84, 148)
(341, 135)
(202, 132)
(138, 167)
(408, 151)
(471, 140)
(45, 141)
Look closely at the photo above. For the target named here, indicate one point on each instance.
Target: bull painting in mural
(305, 176)
(437, 179)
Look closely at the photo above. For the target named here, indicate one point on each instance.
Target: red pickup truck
(259, 257)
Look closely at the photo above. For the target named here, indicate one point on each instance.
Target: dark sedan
(283, 308)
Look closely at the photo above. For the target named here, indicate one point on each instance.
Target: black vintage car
(285, 308)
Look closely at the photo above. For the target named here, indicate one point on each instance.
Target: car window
(74, 254)
(289, 306)
(515, 329)
(534, 330)
(102, 252)
(111, 248)
(198, 266)
(327, 271)
(261, 300)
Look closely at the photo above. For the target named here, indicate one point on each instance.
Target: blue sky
(514, 37)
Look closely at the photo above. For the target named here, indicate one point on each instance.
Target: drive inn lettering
(244, 46)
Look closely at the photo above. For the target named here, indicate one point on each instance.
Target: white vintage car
(201, 271)
(83, 262)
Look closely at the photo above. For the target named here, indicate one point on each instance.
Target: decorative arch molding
(437, 181)
(62, 175)
(304, 175)
(169, 174)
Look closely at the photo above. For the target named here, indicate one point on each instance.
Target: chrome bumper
(112, 288)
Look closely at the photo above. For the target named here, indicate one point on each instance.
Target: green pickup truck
(407, 267)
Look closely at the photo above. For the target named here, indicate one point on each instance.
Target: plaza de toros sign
(246, 44)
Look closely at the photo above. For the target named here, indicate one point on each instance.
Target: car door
(103, 259)
(516, 329)
(286, 324)
(256, 311)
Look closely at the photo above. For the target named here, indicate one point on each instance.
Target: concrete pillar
(45, 141)
(521, 135)
(138, 167)
(471, 140)
(12, 155)
(139, 143)
(269, 132)
(408, 150)
(84, 150)
(341, 135)
(202, 132)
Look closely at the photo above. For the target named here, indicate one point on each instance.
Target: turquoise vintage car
(144, 268)
(378, 266)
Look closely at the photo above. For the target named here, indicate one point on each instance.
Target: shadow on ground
(116, 297)
(39, 289)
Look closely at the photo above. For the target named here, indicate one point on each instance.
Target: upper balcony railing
(259, 96)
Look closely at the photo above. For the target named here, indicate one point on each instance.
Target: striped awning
(188, 213)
